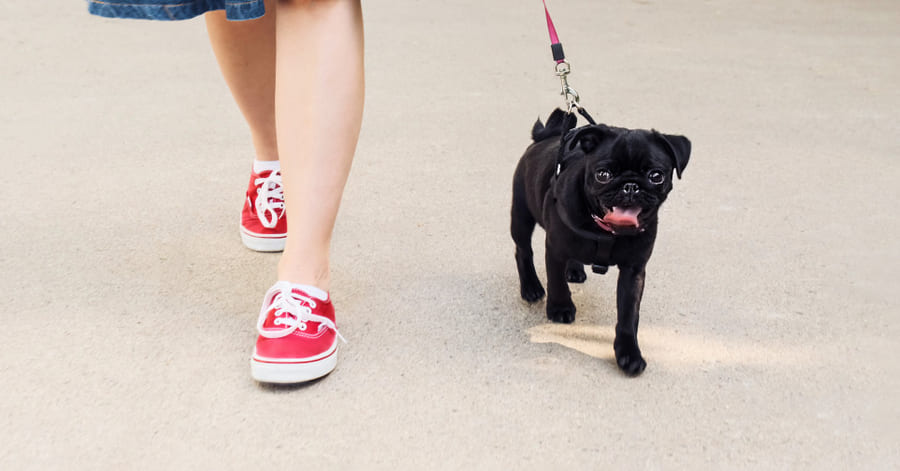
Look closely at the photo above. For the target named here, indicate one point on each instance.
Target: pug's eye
(656, 177)
(603, 176)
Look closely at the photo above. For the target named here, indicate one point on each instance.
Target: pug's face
(628, 174)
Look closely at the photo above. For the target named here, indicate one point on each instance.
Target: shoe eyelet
(302, 326)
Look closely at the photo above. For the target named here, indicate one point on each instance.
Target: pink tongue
(622, 216)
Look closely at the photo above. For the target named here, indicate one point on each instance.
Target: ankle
(318, 276)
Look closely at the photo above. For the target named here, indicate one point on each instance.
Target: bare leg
(319, 98)
(245, 51)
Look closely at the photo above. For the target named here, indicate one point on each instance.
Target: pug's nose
(631, 189)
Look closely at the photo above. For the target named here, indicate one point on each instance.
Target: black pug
(596, 190)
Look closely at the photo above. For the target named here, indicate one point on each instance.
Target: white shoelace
(269, 188)
(292, 310)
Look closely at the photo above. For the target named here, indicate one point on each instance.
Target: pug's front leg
(628, 300)
(560, 307)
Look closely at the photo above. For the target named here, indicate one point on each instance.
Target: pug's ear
(588, 137)
(678, 148)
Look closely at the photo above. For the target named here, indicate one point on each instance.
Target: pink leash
(562, 71)
(555, 45)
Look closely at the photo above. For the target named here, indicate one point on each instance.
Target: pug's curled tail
(558, 123)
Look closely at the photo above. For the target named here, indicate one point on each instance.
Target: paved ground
(769, 320)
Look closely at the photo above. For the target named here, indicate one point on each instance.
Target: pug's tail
(558, 123)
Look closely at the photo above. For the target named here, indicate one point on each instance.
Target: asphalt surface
(769, 319)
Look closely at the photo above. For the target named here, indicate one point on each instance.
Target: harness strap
(568, 124)
(583, 112)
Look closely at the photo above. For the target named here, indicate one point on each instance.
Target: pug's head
(628, 173)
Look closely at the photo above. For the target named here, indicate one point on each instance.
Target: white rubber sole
(287, 373)
(262, 244)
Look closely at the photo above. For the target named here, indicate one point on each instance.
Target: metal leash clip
(572, 99)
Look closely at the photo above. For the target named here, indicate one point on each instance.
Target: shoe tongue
(310, 291)
(622, 216)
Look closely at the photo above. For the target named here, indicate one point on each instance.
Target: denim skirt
(168, 10)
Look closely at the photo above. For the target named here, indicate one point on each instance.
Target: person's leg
(319, 98)
(245, 51)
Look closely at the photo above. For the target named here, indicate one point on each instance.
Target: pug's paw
(563, 314)
(629, 359)
(532, 291)
(575, 275)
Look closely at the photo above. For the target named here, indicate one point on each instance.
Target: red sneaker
(297, 335)
(263, 222)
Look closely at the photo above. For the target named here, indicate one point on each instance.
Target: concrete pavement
(769, 317)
